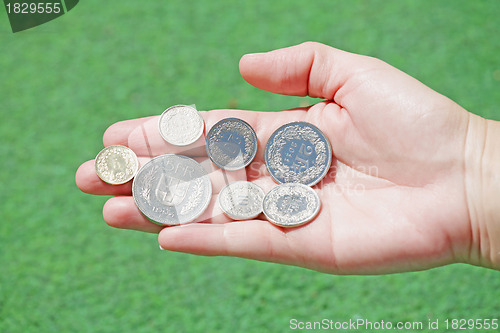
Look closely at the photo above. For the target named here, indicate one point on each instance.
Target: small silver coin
(231, 144)
(172, 189)
(241, 200)
(116, 164)
(181, 125)
(298, 152)
(291, 204)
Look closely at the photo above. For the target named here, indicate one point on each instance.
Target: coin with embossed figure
(231, 144)
(241, 200)
(291, 204)
(181, 125)
(298, 152)
(172, 189)
(116, 164)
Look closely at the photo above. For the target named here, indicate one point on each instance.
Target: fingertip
(283, 71)
(247, 61)
(111, 135)
(78, 177)
(122, 213)
(194, 238)
(88, 181)
(85, 177)
(247, 65)
(118, 133)
(113, 212)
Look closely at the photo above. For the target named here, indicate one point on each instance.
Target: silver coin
(172, 189)
(231, 144)
(241, 200)
(291, 204)
(181, 125)
(116, 164)
(298, 152)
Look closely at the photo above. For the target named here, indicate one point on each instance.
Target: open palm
(394, 199)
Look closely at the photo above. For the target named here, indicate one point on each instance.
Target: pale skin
(413, 183)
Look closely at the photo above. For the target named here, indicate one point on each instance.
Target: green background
(62, 269)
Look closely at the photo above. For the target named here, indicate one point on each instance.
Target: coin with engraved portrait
(298, 152)
(116, 164)
(231, 144)
(241, 200)
(172, 189)
(181, 125)
(291, 204)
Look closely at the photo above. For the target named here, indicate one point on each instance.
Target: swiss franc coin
(181, 125)
(172, 189)
(298, 152)
(241, 200)
(231, 144)
(116, 164)
(291, 204)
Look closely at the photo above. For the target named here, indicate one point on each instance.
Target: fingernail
(253, 55)
(161, 248)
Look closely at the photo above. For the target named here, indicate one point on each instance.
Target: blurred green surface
(63, 83)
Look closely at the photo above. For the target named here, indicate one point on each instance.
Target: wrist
(482, 168)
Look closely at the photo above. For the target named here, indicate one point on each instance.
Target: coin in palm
(181, 125)
(172, 189)
(231, 144)
(291, 204)
(116, 164)
(241, 200)
(298, 152)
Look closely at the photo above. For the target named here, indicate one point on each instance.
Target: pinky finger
(256, 239)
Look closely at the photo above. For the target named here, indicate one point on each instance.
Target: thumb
(309, 68)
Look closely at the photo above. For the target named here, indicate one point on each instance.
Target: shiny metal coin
(181, 125)
(241, 200)
(291, 205)
(116, 164)
(231, 144)
(172, 189)
(298, 152)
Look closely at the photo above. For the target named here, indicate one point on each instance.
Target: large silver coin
(231, 144)
(241, 200)
(116, 164)
(172, 189)
(291, 204)
(298, 152)
(181, 125)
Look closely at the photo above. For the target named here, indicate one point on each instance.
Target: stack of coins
(298, 155)
(175, 189)
(231, 145)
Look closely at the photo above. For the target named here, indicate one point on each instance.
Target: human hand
(395, 199)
